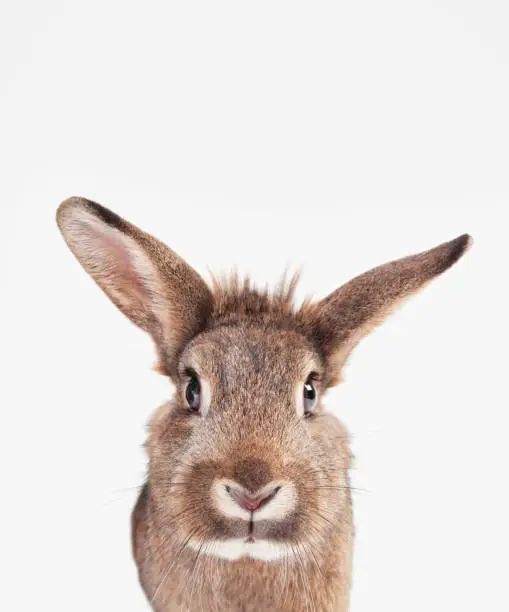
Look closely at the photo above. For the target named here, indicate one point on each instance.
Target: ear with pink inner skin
(145, 279)
(349, 313)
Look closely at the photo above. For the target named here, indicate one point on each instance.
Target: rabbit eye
(309, 397)
(193, 393)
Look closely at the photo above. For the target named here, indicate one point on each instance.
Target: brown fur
(254, 350)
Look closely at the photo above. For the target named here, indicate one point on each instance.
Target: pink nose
(251, 503)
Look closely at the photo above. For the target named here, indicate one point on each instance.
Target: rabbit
(247, 503)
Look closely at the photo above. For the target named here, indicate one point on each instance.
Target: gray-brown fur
(255, 350)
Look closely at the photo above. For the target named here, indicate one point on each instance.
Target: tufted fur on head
(247, 501)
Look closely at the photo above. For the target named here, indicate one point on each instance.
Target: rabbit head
(244, 461)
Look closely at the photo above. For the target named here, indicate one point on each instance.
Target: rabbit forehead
(229, 355)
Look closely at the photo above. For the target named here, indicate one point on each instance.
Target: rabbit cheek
(195, 511)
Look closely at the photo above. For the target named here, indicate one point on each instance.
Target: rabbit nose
(274, 501)
(252, 473)
(250, 502)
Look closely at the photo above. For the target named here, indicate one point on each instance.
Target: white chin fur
(236, 548)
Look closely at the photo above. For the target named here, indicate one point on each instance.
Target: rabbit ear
(145, 279)
(348, 314)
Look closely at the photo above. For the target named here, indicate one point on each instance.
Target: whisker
(305, 580)
(171, 564)
(309, 550)
(128, 489)
(343, 488)
(191, 578)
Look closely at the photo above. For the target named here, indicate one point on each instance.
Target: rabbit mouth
(262, 540)
(233, 549)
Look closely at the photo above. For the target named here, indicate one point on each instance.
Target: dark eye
(309, 397)
(193, 393)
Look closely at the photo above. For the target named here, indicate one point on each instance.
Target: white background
(333, 136)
